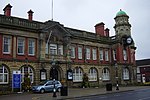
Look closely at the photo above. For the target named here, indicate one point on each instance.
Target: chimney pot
(7, 10)
(30, 15)
(107, 32)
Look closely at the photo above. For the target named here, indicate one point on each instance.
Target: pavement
(83, 92)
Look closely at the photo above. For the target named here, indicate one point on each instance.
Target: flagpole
(52, 10)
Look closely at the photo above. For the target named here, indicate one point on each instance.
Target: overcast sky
(85, 14)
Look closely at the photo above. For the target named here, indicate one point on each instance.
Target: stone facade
(36, 47)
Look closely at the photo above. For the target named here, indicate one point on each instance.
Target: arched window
(27, 70)
(105, 74)
(125, 73)
(4, 75)
(77, 74)
(92, 74)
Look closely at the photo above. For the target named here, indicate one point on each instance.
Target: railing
(19, 22)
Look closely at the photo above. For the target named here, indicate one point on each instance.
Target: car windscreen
(42, 83)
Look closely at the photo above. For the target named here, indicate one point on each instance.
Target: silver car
(47, 86)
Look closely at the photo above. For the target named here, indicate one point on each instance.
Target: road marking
(145, 98)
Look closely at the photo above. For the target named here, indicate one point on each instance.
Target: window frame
(92, 74)
(72, 52)
(106, 55)
(60, 49)
(53, 49)
(101, 55)
(32, 47)
(105, 74)
(9, 43)
(115, 54)
(30, 72)
(3, 75)
(94, 53)
(126, 74)
(125, 56)
(77, 74)
(88, 53)
(23, 45)
(80, 52)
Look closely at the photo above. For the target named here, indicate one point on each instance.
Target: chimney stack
(7, 10)
(99, 29)
(30, 15)
(107, 32)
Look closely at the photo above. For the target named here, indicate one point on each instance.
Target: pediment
(56, 32)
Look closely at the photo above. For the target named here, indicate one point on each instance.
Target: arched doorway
(55, 73)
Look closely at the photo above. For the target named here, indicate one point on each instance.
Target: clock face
(129, 40)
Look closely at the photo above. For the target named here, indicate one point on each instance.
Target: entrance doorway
(54, 74)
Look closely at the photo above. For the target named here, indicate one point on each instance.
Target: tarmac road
(124, 93)
(141, 94)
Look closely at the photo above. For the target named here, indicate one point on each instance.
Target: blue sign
(16, 79)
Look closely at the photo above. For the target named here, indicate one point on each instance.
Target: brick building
(143, 71)
(47, 50)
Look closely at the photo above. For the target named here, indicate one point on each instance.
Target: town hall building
(48, 50)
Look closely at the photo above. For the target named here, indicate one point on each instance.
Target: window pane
(20, 46)
(105, 74)
(53, 49)
(1, 78)
(125, 74)
(25, 69)
(60, 50)
(5, 78)
(114, 54)
(88, 53)
(124, 54)
(46, 48)
(106, 55)
(92, 74)
(5, 70)
(77, 75)
(6, 44)
(29, 71)
(1, 69)
(79, 52)
(101, 54)
(72, 52)
(94, 54)
(31, 47)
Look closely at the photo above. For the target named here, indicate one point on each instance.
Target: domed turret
(122, 25)
(121, 13)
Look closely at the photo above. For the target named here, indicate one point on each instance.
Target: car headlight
(38, 88)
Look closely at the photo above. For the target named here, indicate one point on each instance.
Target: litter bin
(64, 91)
(109, 87)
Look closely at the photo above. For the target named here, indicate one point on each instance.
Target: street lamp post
(117, 84)
(54, 90)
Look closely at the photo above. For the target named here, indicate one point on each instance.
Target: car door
(49, 86)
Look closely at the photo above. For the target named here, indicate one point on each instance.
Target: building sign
(16, 79)
(42, 74)
(69, 75)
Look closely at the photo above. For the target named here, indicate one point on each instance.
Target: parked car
(47, 86)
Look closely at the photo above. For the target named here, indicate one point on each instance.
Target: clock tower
(122, 25)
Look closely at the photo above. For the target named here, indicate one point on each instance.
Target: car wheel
(42, 91)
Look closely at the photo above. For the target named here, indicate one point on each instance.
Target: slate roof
(143, 62)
